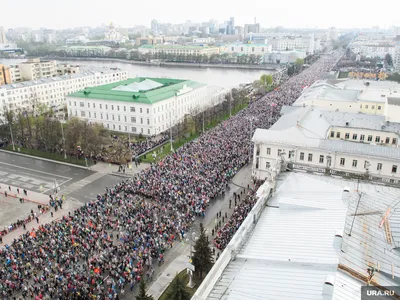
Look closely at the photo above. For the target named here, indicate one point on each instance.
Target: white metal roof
(309, 127)
(290, 252)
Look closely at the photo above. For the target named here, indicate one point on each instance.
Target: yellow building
(5, 77)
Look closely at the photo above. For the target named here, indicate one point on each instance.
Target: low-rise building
(283, 57)
(330, 142)
(248, 49)
(178, 50)
(145, 106)
(140, 41)
(52, 91)
(354, 96)
(63, 69)
(35, 69)
(86, 50)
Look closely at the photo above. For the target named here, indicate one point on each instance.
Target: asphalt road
(37, 175)
(91, 190)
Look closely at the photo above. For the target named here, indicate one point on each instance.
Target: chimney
(337, 240)
(327, 289)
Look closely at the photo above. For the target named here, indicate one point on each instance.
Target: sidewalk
(43, 219)
(34, 197)
(163, 281)
(106, 168)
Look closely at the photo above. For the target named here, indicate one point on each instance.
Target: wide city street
(37, 175)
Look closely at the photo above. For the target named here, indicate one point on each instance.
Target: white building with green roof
(141, 105)
(178, 50)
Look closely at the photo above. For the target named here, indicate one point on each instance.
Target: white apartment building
(15, 73)
(286, 43)
(178, 50)
(144, 106)
(336, 143)
(354, 96)
(248, 49)
(52, 91)
(35, 69)
(373, 48)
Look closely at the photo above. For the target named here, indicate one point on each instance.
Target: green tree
(266, 80)
(142, 292)
(119, 153)
(178, 290)
(389, 59)
(202, 258)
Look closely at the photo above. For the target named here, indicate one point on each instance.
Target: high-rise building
(251, 28)
(3, 39)
(154, 26)
(230, 26)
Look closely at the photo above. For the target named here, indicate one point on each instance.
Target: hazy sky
(287, 13)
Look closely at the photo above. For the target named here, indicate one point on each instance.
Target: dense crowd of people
(111, 243)
(225, 232)
(149, 143)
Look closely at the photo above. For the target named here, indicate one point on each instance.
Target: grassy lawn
(164, 150)
(52, 156)
(185, 277)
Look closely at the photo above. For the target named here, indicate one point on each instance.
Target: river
(226, 78)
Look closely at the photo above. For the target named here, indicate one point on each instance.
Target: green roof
(167, 90)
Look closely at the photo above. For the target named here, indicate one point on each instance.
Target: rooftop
(310, 126)
(302, 236)
(349, 90)
(139, 90)
(84, 73)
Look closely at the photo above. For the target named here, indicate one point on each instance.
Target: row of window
(322, 159)
(343, 162)
(133, 119)
(133, 129)
(362, 137)
(372, 106)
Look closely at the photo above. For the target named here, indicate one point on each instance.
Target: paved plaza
(37, 175)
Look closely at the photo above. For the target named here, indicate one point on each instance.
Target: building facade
(337, 143)
(3, 39)
(178, 50)
(35, 69)
(248, 49)
(5, 76)
(52, 91)
(144, 106)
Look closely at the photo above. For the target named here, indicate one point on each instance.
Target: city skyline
(305, 14)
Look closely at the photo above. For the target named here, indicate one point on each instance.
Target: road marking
(50, 174)
(59, 185)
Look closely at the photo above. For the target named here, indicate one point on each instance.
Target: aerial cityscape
(176, 152)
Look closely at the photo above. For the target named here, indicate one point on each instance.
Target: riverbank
(266, 67)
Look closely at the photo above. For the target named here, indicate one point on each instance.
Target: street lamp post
(130, 152)
(63, 137)
(12, 137)
(230, 105)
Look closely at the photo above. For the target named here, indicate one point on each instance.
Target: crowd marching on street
(149, 143)
(104, 248)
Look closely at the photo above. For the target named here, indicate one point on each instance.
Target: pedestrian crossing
(82, 183)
